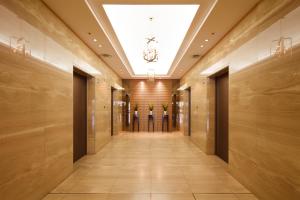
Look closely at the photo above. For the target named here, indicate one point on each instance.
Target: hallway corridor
(146, 166)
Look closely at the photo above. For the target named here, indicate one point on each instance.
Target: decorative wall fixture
(282, 45)
(20, 45)
(150, 53)
(26, 40)
(259, 48)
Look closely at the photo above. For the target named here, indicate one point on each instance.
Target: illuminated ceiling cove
(133, 24)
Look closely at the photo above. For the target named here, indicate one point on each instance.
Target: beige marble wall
(264, 141)
(102, 113)
(184, 112)
(91, 92)
(36, 100)
(264, 115)
(117, 112)
(36, 127)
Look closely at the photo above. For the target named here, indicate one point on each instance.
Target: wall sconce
(281, 46)
(20, 46)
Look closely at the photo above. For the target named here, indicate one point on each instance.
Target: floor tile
(76, 197)
(170, 187)
(246, 197)
(215, 197)
(129, 197)
(188, 196)
(54, 197)
(132, 186)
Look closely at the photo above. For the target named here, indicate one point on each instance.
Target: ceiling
(90, 21)
(161, 30)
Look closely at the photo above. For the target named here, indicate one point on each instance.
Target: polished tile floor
(150, 166)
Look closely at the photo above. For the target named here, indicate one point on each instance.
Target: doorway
(221, 94)
(79, 115)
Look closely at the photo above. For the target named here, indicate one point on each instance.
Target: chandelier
(150, 53)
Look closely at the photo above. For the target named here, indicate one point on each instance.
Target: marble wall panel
(264, 127)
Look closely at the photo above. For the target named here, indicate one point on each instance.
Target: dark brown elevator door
(79, 116)
(222, 116)
(190, 111)
(112, 112)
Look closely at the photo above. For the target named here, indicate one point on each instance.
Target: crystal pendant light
(150, 53)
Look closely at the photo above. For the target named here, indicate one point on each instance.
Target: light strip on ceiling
(131, 25)
(92, 7)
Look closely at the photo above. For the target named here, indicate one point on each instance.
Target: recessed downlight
(105, 55)
(206, 40)
(95, 40)
(99, 45)
(202, 46)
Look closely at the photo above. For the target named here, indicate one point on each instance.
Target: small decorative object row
(151, 107)
(165, 117)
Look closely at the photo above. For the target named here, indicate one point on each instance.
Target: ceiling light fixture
(150, 53)
(95, 40)
(99, 45)
(202, 46)
(206, 40)
(131, 25)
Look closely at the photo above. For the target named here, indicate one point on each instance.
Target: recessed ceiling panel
(133, 24)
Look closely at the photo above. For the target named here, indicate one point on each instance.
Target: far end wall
(143, 93)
